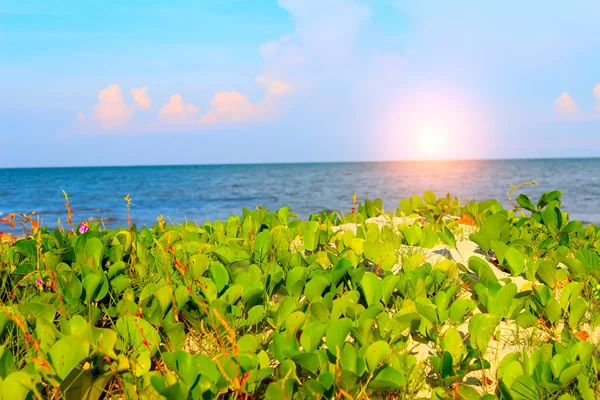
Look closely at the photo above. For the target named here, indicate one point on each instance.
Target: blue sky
(232, 81)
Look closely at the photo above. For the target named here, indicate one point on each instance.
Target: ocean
(202, 192)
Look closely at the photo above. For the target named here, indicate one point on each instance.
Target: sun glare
(431, 142)
(431, 125)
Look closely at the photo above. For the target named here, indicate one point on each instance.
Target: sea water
(202, 192)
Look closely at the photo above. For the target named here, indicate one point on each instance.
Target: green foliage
(265, 305)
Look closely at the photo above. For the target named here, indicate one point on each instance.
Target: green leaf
(17, 386)
(176, 335)
(313, 389)
(103, 340)
(548, 197)
(553, 311)
(524, 388)
(590, 259)
(187, 366)
(482, 269)
(309, 231)
(516, 264)
(379, 254)
(481, 328)
(95, 248)
(182, 296)
(295, 281)
(388, 286)
(349, 357)
(547, 271)
(164, 296)
(526, 320)
(524, 202)
(33, 310)
(509, 369)
(372, 288)
(141, 364)
(572, 226)
(66, 354)
(315, 287)
(256, 314)
(412, 234)
(294, 323)
(576, 312)
(336, 334)
(447, 237)
(198, 265)
(500, 249)
(583, 384)
(208, 289)
(233, 294)
(138, 333)
(347, 379)
(7, 363)
(552, 217)
(263, 244)
(90, 284)
(286, 307)
(310, 361)
(491, 228)
(376, 352)
(429, 197)
(176, 391)
(576, 268)
(500, 302)
(219, 275)
(570, 293)
(558, 363)
(460, 308)
(388, 378)
(312, 336)
(452, 342)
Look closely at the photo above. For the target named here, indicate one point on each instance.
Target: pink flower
(84, 227)
(39, 282)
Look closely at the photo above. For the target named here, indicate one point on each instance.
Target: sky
(231, 81)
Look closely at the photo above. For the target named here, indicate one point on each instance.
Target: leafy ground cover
(437, 299)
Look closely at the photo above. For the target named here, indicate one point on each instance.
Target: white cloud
(269, 49)
(141, 98)
(234, 107)
(210, 118)
(111, 112)
(565, 105)
(597, 96)
(176, 109)
(274, 87)
(322, 46)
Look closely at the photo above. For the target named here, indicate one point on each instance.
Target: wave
(105, 219)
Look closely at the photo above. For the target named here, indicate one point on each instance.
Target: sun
(434, 124)
(431, 141)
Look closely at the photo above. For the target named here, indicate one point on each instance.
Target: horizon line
(305, 162)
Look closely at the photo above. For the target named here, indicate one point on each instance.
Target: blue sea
(211, 192)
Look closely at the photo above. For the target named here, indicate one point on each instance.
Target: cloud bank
(226, 107)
